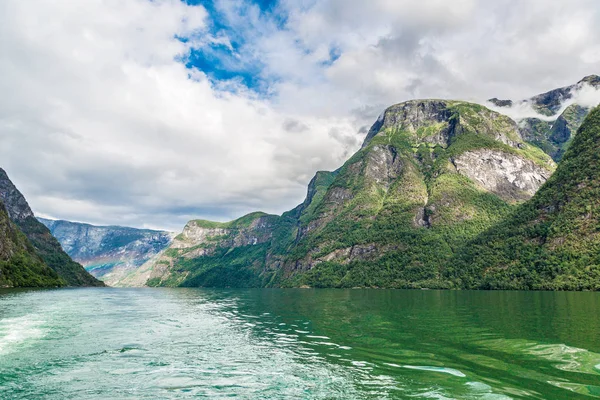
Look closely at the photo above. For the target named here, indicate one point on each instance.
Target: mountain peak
(46, 245)
(437, 122)
(410, 115)
(17, 207)
(593, 80)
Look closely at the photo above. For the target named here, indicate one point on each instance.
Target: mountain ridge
(45, 245)
(559, 115)
(412, 193)
(20, 265)
(551, 242)
(109, 253)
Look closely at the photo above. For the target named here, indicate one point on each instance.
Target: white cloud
(103, 125)
(100, 122)
(582, 94)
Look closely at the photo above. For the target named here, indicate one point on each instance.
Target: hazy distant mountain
(108, 252)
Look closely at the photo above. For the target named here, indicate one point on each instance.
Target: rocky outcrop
(559, 116)
(46, 245)
(550, 242)
(412, 115)
(383, 165)
(108, 252)
(437, 122)
(204, 239)
(511, 177)
(17, 207)
(211, 234)
(501, 103)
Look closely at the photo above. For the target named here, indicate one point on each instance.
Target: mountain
(560, 113)
(552, 241)
(430, 176)
(109, 253)
(20, 265)
(45, 245)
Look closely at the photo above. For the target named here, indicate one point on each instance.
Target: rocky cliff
(560, 113)
(209, 254)
(20, 265)
(110, 253)
(431, 175)
(551, 242)
(46, 245)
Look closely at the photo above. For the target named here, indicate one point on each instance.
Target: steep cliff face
(430, 175)
(20, 265)
(511, 177)
(553, 240)
(109, 253)
(210, 253)
(46, 245)
(560, 115)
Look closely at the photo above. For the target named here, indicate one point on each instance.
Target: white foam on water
(16, 331)
(443, 370)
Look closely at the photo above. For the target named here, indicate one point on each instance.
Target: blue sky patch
(223, 63)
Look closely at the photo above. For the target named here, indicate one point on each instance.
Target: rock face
(509, 176)
(109, 253)
(431, 175)
(560, 116)
(413, 115)
(45, 245)
(552, 241)
(207, 239)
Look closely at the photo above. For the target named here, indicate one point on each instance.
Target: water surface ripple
(298, 344)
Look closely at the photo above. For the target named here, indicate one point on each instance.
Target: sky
(149, 113)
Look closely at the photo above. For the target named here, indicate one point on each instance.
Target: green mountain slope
(46, 245)
(20, 265)
(552, 241)
(431, 175)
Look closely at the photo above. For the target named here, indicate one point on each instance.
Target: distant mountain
(561, 112)
(553, 240)
(110, 253)
(39, 238)
(430, 176)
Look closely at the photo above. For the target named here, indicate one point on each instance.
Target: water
(298, 344)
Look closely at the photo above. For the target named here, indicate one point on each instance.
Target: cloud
(150, 113)
(104, 125)
(583, 94)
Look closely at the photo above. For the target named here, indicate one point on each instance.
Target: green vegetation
(39, 241)
(394, 215)
(53, 255)
(551, 242)
(20, 266)
(555, 137)
(242, 222)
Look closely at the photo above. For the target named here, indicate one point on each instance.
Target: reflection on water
(179, 343)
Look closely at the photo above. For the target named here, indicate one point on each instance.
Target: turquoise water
(298, 344)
